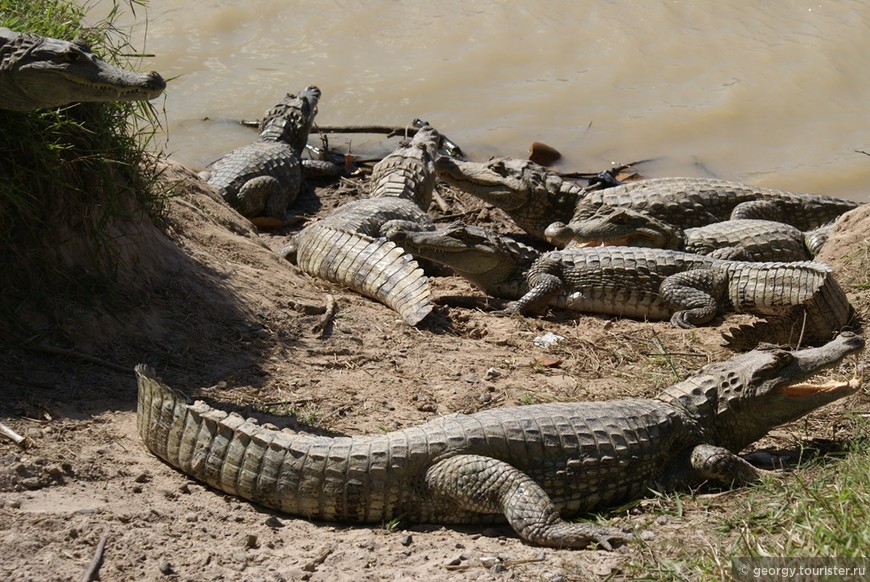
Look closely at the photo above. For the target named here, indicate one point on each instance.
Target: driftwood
(11, 434)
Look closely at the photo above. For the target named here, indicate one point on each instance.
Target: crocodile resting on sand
(801, 301)
(739, 239)
(38, 72)
(265, 177)
(535, 197)
(532, 466)
(347, 246)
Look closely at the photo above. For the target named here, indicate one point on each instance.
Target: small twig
(85, 357)
(687, 354)
(328, 315)
(8, 432)
(312, 565)
(93, 569)
(862, 152)
(440, 202)
(612, 171)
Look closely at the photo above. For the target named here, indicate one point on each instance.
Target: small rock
(274, 522)
(191, 517)
(471, 378)
(166, 568)
(662, 520)
(557, 578)
(547, 340)
(491, 374)
(240, 557)
(543, 154)
(251, 541)
(647, 535)
(498, 568)
(406, 540)
(137, 489)
(490, 532)
(143, 477)
(489, 561)
(485, 397)
(369, 545)
(453, 561)
(184, 489)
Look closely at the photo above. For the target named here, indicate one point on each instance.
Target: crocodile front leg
(542, 288)
(719, 464)
(694, 295)
(486, 485)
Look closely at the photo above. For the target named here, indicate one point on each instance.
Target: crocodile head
(530, 194)
(736, 402)
(493, 263)
(506, 183)
(616, 226)
(38, 72)
(290, 119)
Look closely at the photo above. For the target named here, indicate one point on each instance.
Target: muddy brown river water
(773, 93)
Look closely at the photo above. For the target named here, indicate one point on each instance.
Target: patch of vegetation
(68, 173)
(820, 510)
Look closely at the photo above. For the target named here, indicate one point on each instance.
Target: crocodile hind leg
(262, 195)
(486, 485)
(694, 295)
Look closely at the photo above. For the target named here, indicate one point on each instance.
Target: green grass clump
(823, 511)
(819, 510)
(67, 173)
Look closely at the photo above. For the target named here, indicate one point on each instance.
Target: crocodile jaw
(493, 182)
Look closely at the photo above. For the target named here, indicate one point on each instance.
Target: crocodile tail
(224, 450)
(816, 320)
(376, 268)
(300, 474)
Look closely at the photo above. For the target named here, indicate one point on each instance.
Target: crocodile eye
(72, 56)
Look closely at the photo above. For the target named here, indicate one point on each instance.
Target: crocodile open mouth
(806, 389)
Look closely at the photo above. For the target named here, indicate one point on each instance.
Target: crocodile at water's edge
(530, 465)
(38, 72)
(535, 197)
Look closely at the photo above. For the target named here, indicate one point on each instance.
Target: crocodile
(38, 72)
(264, 177)
(535, 197)
(532, 466)
(801, 301)
(347, 247)
(739, 239)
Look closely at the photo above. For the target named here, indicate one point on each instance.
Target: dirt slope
(221, 316)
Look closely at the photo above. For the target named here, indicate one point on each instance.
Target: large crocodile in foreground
(801, 300)
(739, 239)
(38, 72)
(265, 177)
(347, 247)
(533, 466)
(535, 197)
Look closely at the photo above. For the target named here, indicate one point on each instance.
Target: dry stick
(440, 202)
(6, 431)
(97, 561)
(328, 315)
(93, 359)
(312, 565)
